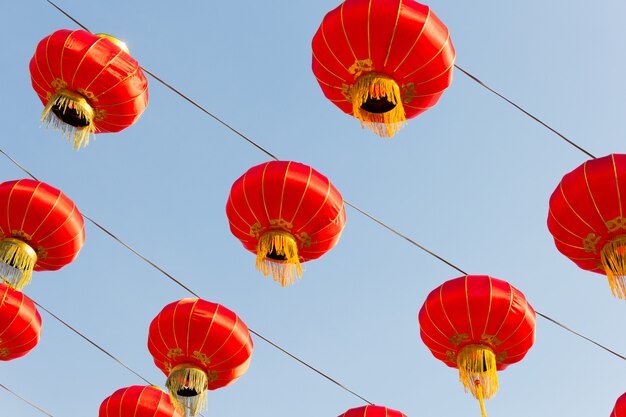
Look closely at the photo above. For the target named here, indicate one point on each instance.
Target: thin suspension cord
(35, 406)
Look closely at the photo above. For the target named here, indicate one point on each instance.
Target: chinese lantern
(138, 401)
(383, 61)
(20, 324)
(620, 407)
(40, 229)
(479, 325)
(585, 218)
(372, 411)
(200, 346)
(286, 213)
(88, 84)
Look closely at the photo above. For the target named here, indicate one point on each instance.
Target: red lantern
(87, 83)
(40, 229)
(20, 324)
(372, 411)
(138, 401)
(586, 218)
(383, 61)
(620, 407)
(286, 213)
(477, 324)
(199, 345)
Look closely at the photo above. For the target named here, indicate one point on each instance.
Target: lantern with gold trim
(479, 325)
(40, 229)
(286, 213)
(138, 401)
(372, 411)
(587, 218)
(20, 324)
(383, 61)
(200, 346)
(88, 84)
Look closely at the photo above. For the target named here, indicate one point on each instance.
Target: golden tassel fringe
(17, 260)
(65, 99)
(282, 244)
(477, 367)
(613, 256)
(372, 85)
(190, 378)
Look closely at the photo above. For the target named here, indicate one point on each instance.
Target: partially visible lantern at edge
(286, 213)
(619, 410)
(40, 229)
(138, 401)
(200, 346)
(479, 325)
(20, 324)
(383, 61)
(587, 218)
(88, 84)
(372, 411)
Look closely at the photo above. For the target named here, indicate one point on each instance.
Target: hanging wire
(35, 406)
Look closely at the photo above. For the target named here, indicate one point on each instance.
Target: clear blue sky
(469, 179)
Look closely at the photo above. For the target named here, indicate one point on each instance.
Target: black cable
(35, 406)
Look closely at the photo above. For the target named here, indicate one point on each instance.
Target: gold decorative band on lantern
(613, 258)
(17, 260)
(72, 114)
(277, 253)
(187, 384)
(116, 41)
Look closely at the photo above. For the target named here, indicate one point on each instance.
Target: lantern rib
(32, 195)
(593, 200)
(419, 36)
(443, 47)
(393, 33)
(87, 52)
(35, 406)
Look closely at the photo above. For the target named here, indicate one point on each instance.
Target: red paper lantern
(383, 61)
(88, 84)
(20, 324)
(587, 221)
(477, 324)
(286, 213)
(40, 229)
(199, 345)
(372, 411)
(138, 401)
(620, 407)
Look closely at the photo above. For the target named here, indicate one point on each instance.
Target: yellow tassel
(72, 114)
(613, 258)
(187, 385)
(481, 400)
(372, 87)
(17, 260)
(277, 253)
(477, 367)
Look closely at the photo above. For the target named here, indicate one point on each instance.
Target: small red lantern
(200, 346)
(383, 61)
(20, 324)
(479, 325)
(587, 221)
(286, 213)
(40, 229)
(88, 84)
(620, 407)
(372, 411)
(138, 401)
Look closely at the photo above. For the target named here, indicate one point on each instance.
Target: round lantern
(479, 325)
(138, 401)
(586, 218)
(372, 411)
(88, 84)
(620, 407)
(383, 61)
(286, 213)
(40, 229)
(200, 346)
(20, 324)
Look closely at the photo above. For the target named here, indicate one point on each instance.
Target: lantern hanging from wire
(88, 84)
(20, 324)
(479, 325)
(40, 229)
(372, 411)
(587, 218)
(620, 407)
(286, 213)
(200, 346)
(138, 401)
(383, 61)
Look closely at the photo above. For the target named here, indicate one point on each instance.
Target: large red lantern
(372, 411)
(479, 325)
(88, 84)
(286, 213)
(20, 324)
(200, 346)
(138, 401)
(587, 221)
(620, 407)
(383, 61)
(40, 229)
